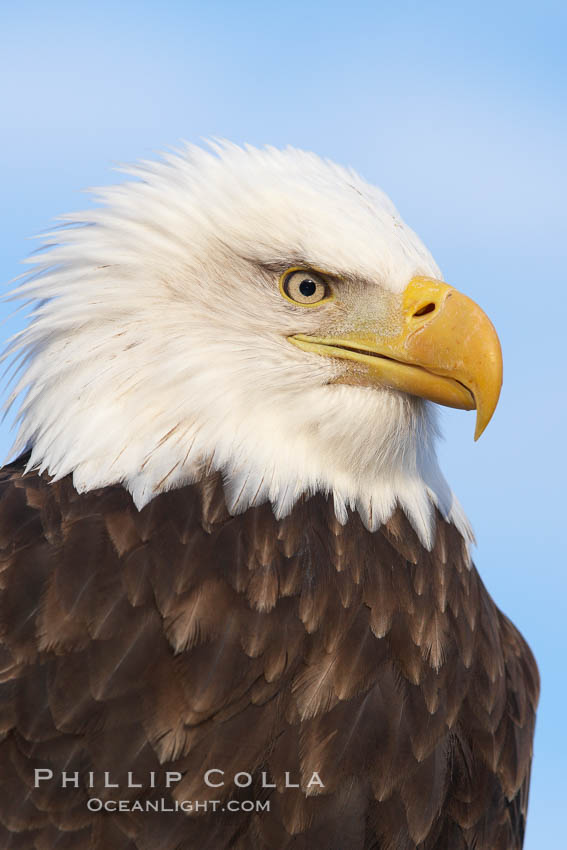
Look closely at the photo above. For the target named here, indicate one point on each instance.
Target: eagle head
(263, 313)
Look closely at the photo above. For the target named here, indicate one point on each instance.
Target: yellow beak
(444, 348)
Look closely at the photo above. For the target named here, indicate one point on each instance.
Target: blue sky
(457, 110)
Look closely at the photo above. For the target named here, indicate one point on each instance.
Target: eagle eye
(305, 287)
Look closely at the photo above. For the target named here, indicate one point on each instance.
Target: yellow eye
(305, 287)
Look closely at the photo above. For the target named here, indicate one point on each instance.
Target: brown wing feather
(181, 639)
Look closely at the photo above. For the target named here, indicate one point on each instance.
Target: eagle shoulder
(180, 639)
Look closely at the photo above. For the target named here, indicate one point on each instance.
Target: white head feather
(158, 345)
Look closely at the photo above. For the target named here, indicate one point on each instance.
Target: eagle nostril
(427, 308)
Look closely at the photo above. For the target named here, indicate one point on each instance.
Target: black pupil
(307, 287)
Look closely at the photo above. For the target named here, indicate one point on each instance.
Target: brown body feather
(179, 638)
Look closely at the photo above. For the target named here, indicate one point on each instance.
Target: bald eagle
(237, 604)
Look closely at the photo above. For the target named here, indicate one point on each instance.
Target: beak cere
(444, 349)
